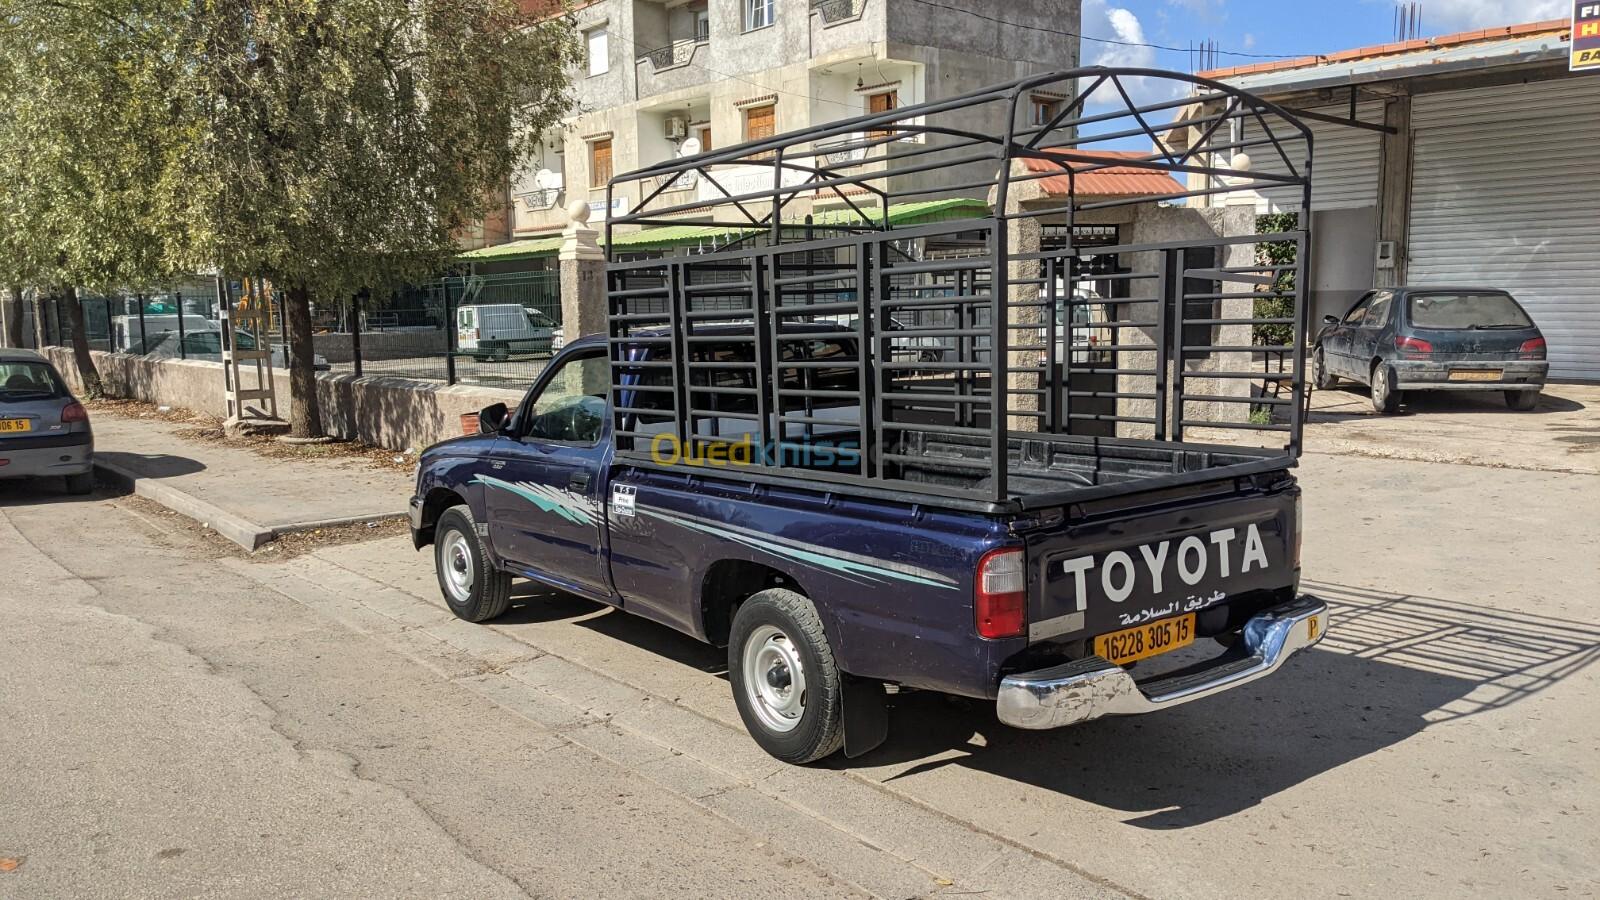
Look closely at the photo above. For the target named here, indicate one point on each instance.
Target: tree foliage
(326, 145)
(1276, 253)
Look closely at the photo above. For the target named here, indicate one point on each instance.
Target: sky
(1295, 28)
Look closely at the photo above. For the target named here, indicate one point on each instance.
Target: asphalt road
(180, 721)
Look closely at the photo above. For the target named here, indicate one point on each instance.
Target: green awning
(690, 234)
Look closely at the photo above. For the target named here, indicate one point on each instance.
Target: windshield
(540, 320)
(28, 380)
(1460, 312)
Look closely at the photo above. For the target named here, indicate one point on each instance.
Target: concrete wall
(397, 413)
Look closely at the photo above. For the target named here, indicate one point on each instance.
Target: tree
(347, 142)
(88, 135)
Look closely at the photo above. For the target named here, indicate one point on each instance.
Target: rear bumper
(1515, 375)
(1088, 689)
(37, 462)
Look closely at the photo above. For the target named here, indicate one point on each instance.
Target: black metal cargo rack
(969, 362)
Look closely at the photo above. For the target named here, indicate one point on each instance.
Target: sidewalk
(247, 498)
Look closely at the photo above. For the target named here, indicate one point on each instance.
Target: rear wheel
(473, 588)
(785, 682)
(1522, 401)
(1320, 375)
(80, 484)
(1385, 399)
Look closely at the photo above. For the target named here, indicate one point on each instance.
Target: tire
(1522, 401)
(786, 684)
(473, 588)
(1385, 399)
(80, 484)
(1320, 376)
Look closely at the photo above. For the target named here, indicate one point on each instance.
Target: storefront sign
(1586, 36)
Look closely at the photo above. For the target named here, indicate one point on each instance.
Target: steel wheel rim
(1380, 383)
(455, 563)
(774, 679)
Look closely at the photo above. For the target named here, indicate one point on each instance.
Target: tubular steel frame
(759, 334)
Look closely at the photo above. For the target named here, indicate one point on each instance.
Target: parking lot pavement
(1439, 743)
(1561, 435)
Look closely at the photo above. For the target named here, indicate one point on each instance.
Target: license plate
(15, 425)
(1147, 640)
(1476, 375)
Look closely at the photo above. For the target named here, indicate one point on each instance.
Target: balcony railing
(541, 200)
(682, 181)
(678, 53)
(845, 154)
(836, 11)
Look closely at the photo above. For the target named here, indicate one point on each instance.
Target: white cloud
(1102, 20)
(1441, 16)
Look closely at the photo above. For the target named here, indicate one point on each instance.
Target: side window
(1359, 314)
(1378, 312)
(571, 407)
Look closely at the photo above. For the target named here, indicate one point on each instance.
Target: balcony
(541, 200)
(834, 12)
(676, 182)
(678, 53)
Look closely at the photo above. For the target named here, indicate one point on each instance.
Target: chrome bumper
(1087, 689)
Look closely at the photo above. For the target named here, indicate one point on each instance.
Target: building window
(702, 25)
(1043, 109)
(882, 103)
(758, 14)
(599, 163)
(760, 122)
(599, 51)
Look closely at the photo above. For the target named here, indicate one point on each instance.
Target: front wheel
(473, 588)
(785, 682)
(1385, 399)
(1522, 401)
(1320, 375)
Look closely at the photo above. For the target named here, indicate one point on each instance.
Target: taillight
(1534, 349)
(1002, 595)
(1412, 347)
(74, 412)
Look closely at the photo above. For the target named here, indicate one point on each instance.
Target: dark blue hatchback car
(1434, 339)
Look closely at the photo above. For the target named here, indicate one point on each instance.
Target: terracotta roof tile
(1553, 26)
(1112, 181)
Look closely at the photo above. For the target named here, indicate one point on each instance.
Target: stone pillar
(583, 289)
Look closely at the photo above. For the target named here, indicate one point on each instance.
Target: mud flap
(866, 716)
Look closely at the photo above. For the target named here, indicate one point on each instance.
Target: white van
(127, 338)
(495, 331)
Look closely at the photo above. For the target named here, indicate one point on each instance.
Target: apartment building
(667, 78)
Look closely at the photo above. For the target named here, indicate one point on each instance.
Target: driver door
(543, 487)
(1337, 343)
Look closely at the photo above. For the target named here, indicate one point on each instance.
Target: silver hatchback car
(44, 430)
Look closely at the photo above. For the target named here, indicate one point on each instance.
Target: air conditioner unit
(677, 128)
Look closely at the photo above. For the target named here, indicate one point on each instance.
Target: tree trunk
(11, 316)
(41, 318)
(80, 348)
(305, 412)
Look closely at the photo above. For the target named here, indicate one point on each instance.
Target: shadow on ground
(1344, 404)
(151, 465)
(1391, 666)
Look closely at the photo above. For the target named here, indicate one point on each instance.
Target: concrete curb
(240, 531)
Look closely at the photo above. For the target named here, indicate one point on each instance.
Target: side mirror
(492, 419)
(1330, 320)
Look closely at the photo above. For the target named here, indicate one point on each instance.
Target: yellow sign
(1586, 36)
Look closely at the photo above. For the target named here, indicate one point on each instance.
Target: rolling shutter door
(1504, 195)
(1345, 171)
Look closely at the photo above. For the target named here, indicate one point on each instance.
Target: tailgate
(1118, 568)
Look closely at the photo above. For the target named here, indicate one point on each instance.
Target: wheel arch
(729, 582)
(437, 500)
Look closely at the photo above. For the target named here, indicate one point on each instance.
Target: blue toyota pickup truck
(857, 446)
(823, 593)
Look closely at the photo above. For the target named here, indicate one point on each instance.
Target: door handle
(579, 481)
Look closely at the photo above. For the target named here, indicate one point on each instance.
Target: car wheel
(785, 682)
(80, 484)
(1320, 376)
(1522, 401)
(473, 588)
(1385, 399)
